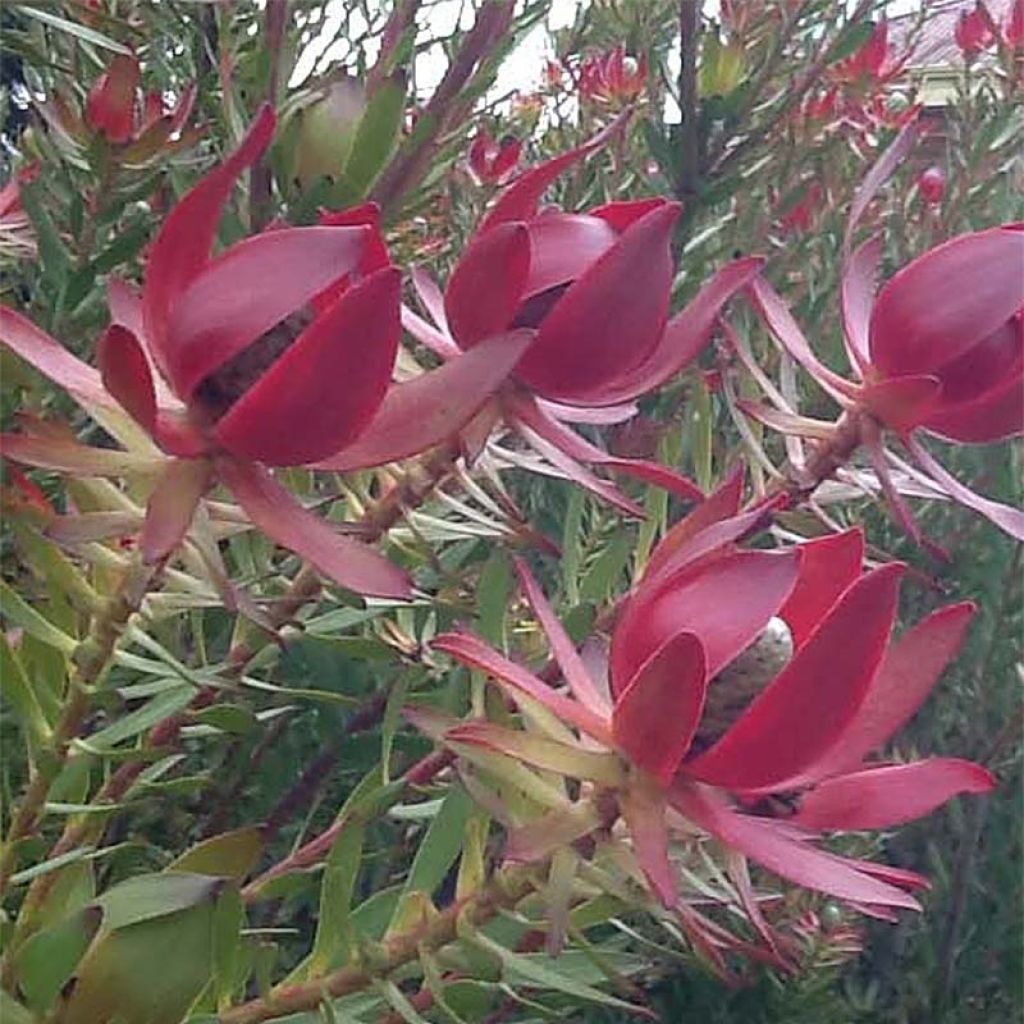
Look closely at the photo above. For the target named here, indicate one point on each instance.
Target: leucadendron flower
(593, 288)
(938, 350)
(746, 691)
(277, 351)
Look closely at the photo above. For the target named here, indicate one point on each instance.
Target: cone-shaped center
(733, 689)
(219, 391)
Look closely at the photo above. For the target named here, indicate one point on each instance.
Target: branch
(689, 101)
(502, 892)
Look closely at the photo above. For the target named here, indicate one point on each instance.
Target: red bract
(931, 183)
(875, 62)
(973, 31)
(117, 109)
(241, 383)
(491, 162)
(594, 290)
(693, 629)
(612, 77)
(1013, 31)
(964, 342)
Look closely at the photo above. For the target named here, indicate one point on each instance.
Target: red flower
(801, 215)
(1013, 31)
(122, 114)
(801, 732)
(612, 77)
(973, 31)
(279, 350)
(491, 162)
(594, 290)
(941, 348)
(963, 344)
(554, 74)
(874, 63)
(931, 183)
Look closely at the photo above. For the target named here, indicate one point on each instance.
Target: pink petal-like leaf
(909, 671)
(172, 505)
(126, 374)
(487, 284)
(472, 651)
(775, 313)
(685, 335)
(574, 471)
(723, 503)
(725, 603)
(890, 795)
(880, 172)
(827, 567)
(604, 416)
(643, 808)
(275, 511)
(610, 319)
(621, 214)
(857, 297)
(902, 403)
(871, 435)
(1006, 518)
(249, 289)
(562, 247)
(657, 713)
(787, 857)
(569, 661)
(770, 746)
(943, 303)
(996, 416)
(431, 298)
(324, 390)
(438, 343)
(182, 247)
(519, 201)
(576, 447)
(433, 407)
(52, 360)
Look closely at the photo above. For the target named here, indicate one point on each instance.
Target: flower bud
(931, 183)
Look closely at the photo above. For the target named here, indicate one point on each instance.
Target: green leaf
(492, 598)
(547, 972)
(48, 958)
(334, 931)
(391, 721)
(12, 1012)
(53, 254)
(20, 613)
(602, 577)
(83, 32)
(156, 710)
(572, 554)
(441, 845)
(156, 895)
(398, 1001)
(376, 136)
(17, 691)
(148, 972)
(233, 718)
(229, 855)
(228, 919)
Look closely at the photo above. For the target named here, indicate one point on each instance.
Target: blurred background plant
(762, 118)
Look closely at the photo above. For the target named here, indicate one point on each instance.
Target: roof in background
(934, 44)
